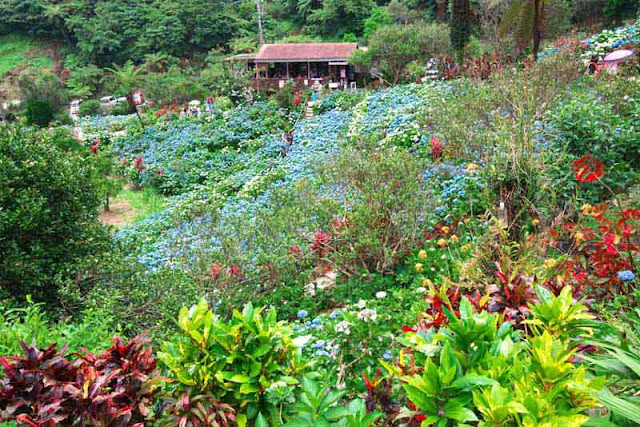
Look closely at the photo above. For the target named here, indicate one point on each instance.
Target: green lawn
(19, 50)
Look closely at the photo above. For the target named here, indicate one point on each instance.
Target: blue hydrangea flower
(302, 314)
(387, 355)
(334, 314)
(626, 275)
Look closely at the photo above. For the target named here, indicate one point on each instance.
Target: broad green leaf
(261, 421)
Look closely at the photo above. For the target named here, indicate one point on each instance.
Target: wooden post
(257, 76)
(287, 71)
(309, 71)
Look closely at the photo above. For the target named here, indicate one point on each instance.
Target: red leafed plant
(202, 410)
(600, 251)
(446, 298)
(512, 295)
(588, 169)
(44, 389)
(379, 398)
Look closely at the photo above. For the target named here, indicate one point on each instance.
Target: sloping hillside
(18, 53)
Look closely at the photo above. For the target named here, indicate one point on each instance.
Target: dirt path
(120, 213)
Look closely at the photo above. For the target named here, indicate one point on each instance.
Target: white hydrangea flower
(368, 315)
(343, 327)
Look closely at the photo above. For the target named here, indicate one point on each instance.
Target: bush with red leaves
(45, 389)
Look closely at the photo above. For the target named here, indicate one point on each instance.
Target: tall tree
(460, 24)
(260, 20)
(527, 19)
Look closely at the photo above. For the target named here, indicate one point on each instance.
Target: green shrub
(121, 109)
(479, 369)
(600, 122)
(39, 113)
(90, 107)
(31, 324)
(244, 362)
(48, 208)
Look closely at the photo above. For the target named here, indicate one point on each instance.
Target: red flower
(588, 169)
(436, 147)
(138, 160)
(321, 240)
(295, 251)
(215, 271)
(94, 148)
(234, 270)
(406, 329)
(160, 171)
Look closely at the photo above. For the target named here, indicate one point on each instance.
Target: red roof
(305, 52)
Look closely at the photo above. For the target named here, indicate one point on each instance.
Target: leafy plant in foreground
(236, 361)
(318, 406)
(479, 370)
(113, 389)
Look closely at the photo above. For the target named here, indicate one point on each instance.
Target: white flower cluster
(368, 315)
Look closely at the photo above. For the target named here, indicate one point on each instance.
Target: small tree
(49, 202)
(125, 79)
(85, 81)
(393, 47)
(38, 113)
(44, 94)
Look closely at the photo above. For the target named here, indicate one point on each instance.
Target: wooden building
(304, 64)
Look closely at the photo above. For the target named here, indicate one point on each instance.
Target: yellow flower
(419, 267)
(426, 283)
(579, 236)
(471, 167)
(586, 209)
(445, 230)
(466, 247)
(550, 263)
(453, 239)
(442, 243)
(535, 222)
(422, 254)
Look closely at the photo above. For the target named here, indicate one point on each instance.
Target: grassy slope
(16, 51)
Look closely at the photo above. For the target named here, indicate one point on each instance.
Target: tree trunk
(260, 14)
(537, 14)
(441, 9)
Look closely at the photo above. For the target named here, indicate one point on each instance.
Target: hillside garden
(457, 252)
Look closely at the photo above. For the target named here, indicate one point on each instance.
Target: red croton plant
(44, 389)
(601, 244)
